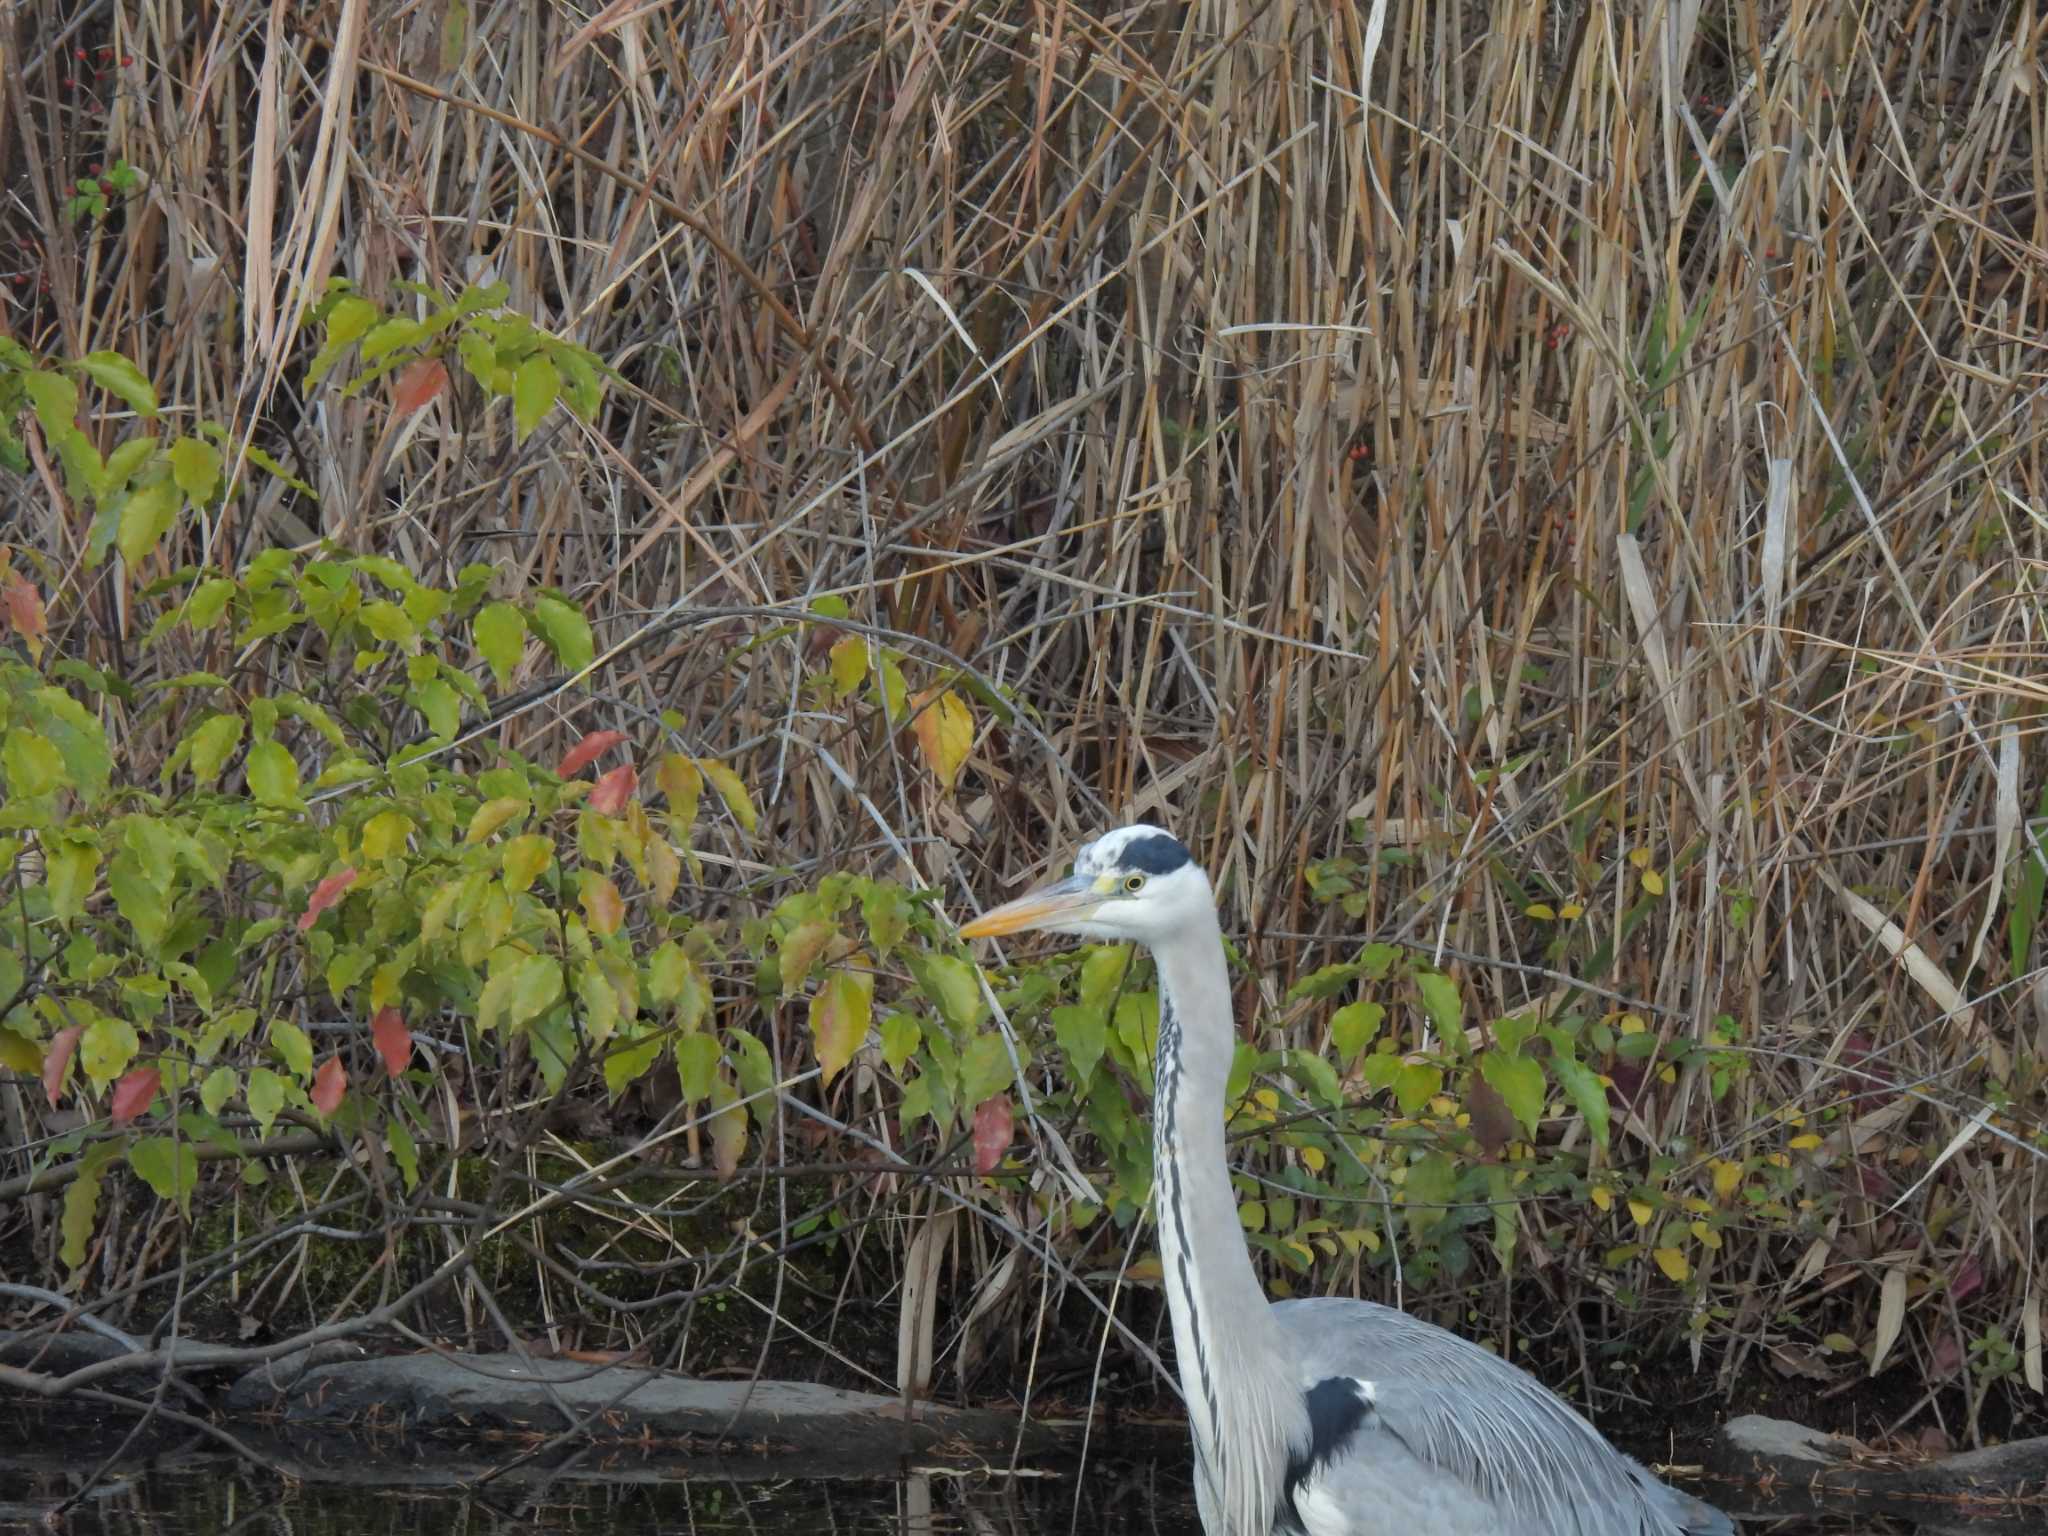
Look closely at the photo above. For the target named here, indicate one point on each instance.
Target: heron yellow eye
(1134, 884)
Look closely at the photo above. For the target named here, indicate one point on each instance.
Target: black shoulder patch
(1157, 854)
(1335, 1413)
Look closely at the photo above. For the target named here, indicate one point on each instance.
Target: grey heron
(1325, 1416)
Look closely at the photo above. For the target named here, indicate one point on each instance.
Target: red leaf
(394, 1040)
(330, 1084)
(25, 613)
(62, 1046)
(325, 895)
(588, 751)
(133, 1093)
(993, 1122)
(612, 791)
(420, 382)
(1967, 1280)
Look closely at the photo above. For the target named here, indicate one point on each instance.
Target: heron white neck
(1237, 1369)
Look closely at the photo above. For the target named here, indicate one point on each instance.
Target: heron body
(1323, 1417)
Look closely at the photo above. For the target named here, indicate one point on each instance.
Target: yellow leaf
(664, 869)
(1570, 910)
(524, 858)
(1640, 1209)
(1603, 1197)
(840, 1012)
(1312, 1158)
(1804, 1143)
(1540, 910)
(849, 665)
(730, 790)
(945, 732)
(491, 815)
(1653, 882)
(683, 785)
(1632, 1024)
(384, 835)
(19, 1055)
(1676, 1266)
(1727, 1177)
(1707, 1235)
(1640, 858)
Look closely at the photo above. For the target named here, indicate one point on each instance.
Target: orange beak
(1064, 900)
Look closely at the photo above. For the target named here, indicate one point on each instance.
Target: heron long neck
(1237, 1368)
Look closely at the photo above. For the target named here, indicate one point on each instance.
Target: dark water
(413, 1487)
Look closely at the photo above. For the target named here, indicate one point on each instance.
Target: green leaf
(1519, 1082)
(756, 1071)
(534, 389)
(209, 600)
(55, 399)
(1581, 1084)
(195, 466)
(565, 632)
(1415, 1084)
(107, 1048)
(404, 1152)
(901, 1036)
(985, 1068)
(627, 1064)
(520, 992)
(442, 708)
(886, 911)
(1353, 1027)
(82, 1202)
(294, 1046)
(78, 736)
(1431, 1184)
(70, 870)
(731, 790)
(146, 517)
(168, 1166)
(1440, 1002)
(274, 776)
(697, 1057)
(140, 900)
(840, 1013)
(219, 1087)
(954, 987)
(500, 634)
(33, 765)
(1102, 974)
(117, 376)
(1083, 1033)
(266, 1095)
(1329, 981)
(213, 742)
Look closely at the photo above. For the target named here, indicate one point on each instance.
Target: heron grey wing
(1473, 1425)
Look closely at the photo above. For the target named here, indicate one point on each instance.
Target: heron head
(1134, 883)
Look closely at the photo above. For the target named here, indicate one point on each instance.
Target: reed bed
(1487, 452)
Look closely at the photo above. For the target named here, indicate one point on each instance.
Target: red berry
(127, 59)
(80, 55)
(94, 170)
(106, 186)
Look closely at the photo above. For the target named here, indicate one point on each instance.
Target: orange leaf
(840, 1011)
(420, 382)
(330, 1086)
(394, 1040)
(325, 895)
(588, 751)
(62, 1046)
(945, 732)
(133, 1093)
(25, 613)
(609, 795)
(993, 1123)
(603, 907)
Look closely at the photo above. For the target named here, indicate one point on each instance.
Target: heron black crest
(1155, 854)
